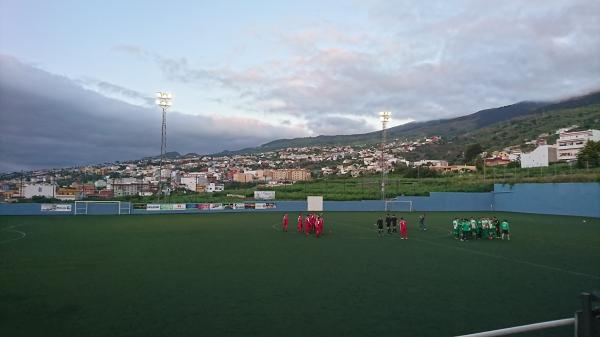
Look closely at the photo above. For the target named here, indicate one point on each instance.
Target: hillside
(525, 121)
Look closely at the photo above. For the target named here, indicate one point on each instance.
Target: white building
(41, 190)
(570, 143)
(542, 156)
(430, 163)
(212, 187)
(191, 180)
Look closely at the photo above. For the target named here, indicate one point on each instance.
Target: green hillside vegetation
(513, 132)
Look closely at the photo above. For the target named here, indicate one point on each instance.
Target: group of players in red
(313, 223)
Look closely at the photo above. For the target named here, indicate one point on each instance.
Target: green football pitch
(240, 275)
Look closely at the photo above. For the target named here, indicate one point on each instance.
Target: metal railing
(586, 322)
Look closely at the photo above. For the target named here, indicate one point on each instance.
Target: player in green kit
(505, 229)
(478, 231)
(492, 230)
(485, 226)
(466, 229)
(473, 224)
(455, 230)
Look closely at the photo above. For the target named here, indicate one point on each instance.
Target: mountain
(458, 130)
(168, 155)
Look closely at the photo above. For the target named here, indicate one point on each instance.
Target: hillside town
(209, 174)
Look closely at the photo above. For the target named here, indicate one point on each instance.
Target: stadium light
(164, 101)
(384, 118)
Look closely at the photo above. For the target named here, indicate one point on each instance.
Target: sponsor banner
(55, 207)
(249, 205)
(153, 207)
(63, 208)
(264, 195)
(239, 206)
(179, 207)
(188, 206)
(228, 206)
(166, 207)
(47, 207)
(204, 206)
(270, 205)
(216, 206)
(139, 206)
(260, 205)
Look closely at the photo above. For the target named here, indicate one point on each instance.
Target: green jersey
(466, 226)
(504, 225)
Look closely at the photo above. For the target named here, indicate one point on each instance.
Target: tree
(589, 156)
(472, 151)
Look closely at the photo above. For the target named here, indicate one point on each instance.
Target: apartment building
(570, 143)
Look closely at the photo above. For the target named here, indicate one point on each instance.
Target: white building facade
(542, 156)
(41, 190)
(570, 143)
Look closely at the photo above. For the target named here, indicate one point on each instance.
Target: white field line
(500, 257)
(472, 251)
(11, 229)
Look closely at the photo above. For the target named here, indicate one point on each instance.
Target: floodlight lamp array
(164, 99)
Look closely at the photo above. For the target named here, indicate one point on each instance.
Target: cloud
(421, 60)
(52, 121)
(116, 91)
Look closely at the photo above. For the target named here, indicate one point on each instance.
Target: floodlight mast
(384, 118)
(163, 100)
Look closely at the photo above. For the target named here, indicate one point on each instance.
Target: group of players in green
(482, 228)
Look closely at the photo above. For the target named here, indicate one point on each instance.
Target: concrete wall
(559, 199)
(451, 201)
(582, 199)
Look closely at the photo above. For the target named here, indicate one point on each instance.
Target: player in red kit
(307, 225)
(318, 226)
(403, 229)
(284, 222)
(299, 226)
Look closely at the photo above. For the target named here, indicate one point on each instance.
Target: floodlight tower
(163, 100)
(384, 118)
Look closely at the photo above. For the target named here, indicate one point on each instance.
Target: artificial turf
(240, 275)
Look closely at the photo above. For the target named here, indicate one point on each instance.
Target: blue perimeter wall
(581, 199)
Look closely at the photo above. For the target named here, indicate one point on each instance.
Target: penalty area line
(11, 229)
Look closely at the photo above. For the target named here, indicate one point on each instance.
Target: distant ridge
(447, 128)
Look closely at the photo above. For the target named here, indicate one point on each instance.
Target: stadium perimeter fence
(576, 199)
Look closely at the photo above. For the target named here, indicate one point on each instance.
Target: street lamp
(384, 118)
(163, 100)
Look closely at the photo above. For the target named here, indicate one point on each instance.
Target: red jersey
(403, 225)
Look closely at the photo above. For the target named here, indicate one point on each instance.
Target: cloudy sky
(77, 77)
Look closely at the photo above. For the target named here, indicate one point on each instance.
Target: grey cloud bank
(51, 121)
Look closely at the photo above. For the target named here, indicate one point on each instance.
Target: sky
(77, 78)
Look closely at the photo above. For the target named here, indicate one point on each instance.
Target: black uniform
(380, 226)
(388, 223)
(394, 223)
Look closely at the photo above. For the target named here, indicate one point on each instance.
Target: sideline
(11, 229)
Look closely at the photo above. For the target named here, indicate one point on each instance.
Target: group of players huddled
(482, 228)
(308, 225)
